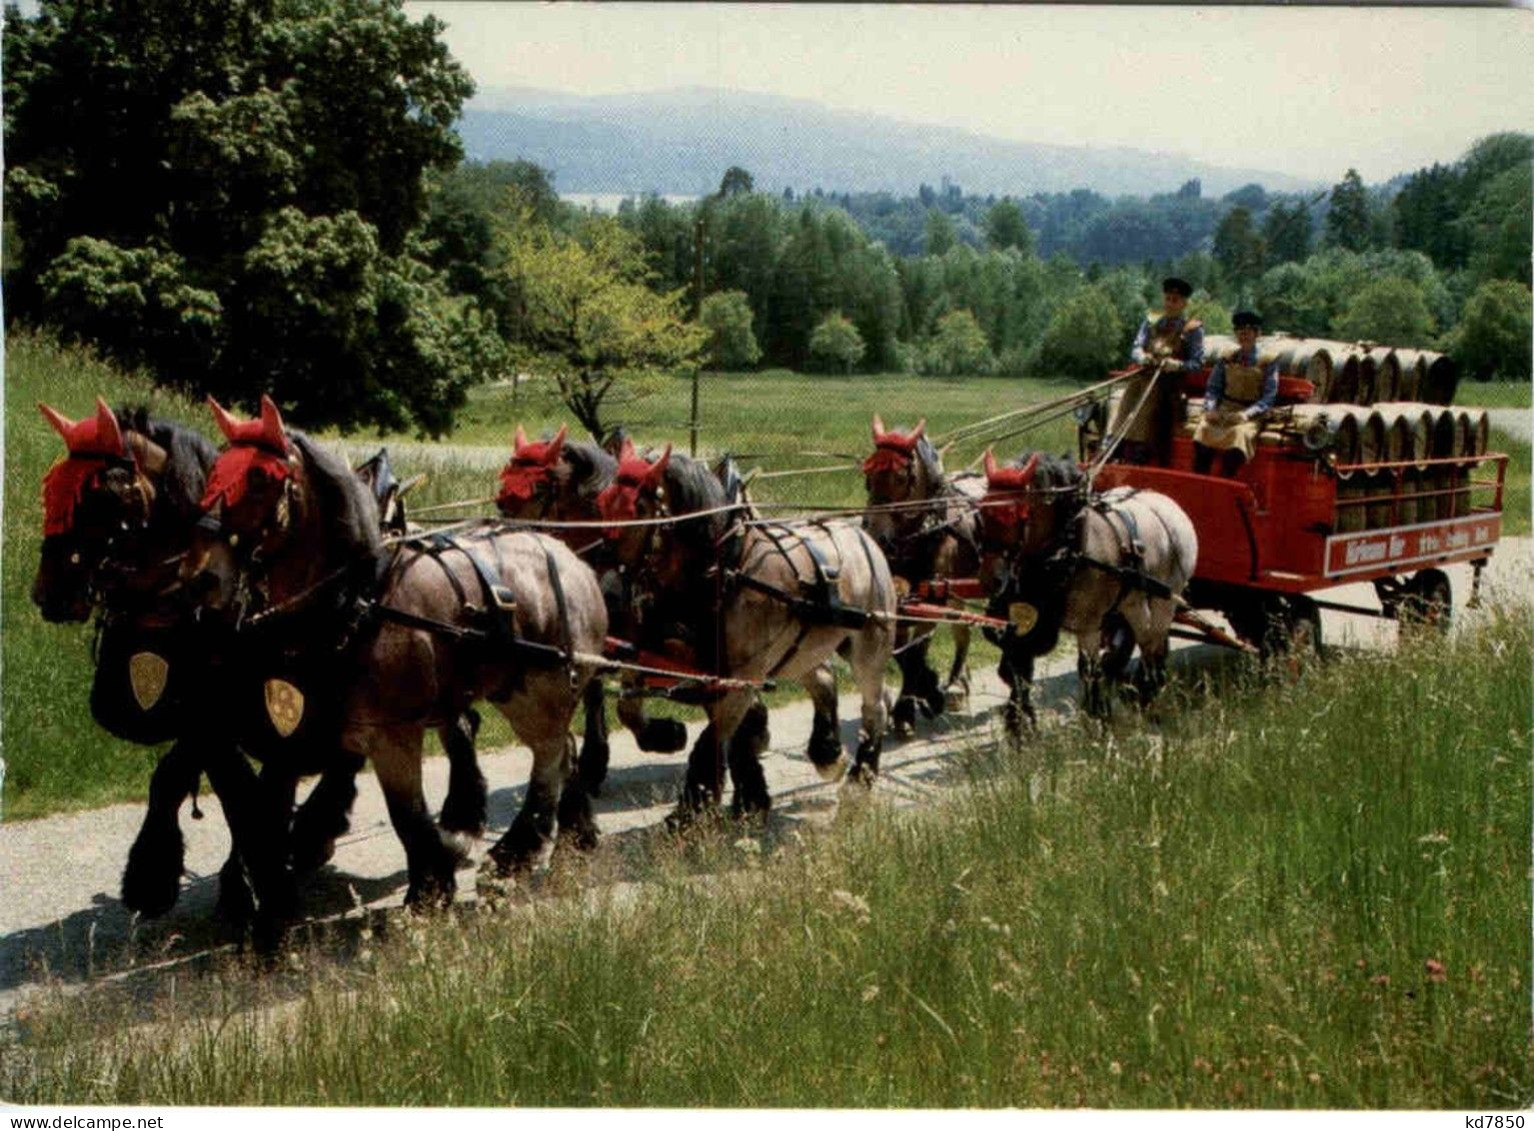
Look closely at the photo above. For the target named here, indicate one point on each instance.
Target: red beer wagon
(1334, 494)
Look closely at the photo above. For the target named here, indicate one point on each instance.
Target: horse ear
(1026, 475)
(990, 466)
(556, 444)
(271, 424)
(61, 423)
(519, 440)
(658, 468)
(920, 430)
(227, 424)
(107, 430)
(878, 428)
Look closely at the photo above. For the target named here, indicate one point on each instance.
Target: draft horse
(558, 480)
(754, 601)
(1107, 567)
(360, 644)
(926, 524)
(118, 517)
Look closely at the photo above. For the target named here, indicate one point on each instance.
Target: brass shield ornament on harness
(284, 706)
(147, 676)
(1023, 616)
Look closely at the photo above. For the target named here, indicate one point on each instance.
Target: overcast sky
(1309, 91)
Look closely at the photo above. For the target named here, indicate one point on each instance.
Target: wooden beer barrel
(1479, 432)
(1442, 379)
(1344, 386)
(1416, 424)
(1304, 358)
(1387, 368)
(1367, 390)
(1413, 365)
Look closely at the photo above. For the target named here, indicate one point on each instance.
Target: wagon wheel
(1427, 603)
(1302, 633)
(1286, 629)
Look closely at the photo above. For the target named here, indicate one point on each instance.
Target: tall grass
(1494, 394)
(56, 757)
(1309, 896)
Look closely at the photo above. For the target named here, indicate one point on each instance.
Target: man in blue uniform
(1168, 345)
(1240, 392)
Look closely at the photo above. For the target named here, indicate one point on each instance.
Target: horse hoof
(149, 890)
(662, 736)
(306, 859)
(464, 817)
(831, 771)
(431, 895)
(862, 776)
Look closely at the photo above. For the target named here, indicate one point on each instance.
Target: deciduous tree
(836, 342)
(1493, 336)
(228, 193)
(726, 316)
(584, 316)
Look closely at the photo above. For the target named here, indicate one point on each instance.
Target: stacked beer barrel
(1375, 404)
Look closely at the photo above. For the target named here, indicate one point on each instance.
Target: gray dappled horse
(1057, 556)
(925, 522)
(368, 644)
(753, 601)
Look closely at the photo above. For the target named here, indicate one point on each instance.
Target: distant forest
(215, 194)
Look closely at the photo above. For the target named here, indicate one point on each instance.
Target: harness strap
(559, 600)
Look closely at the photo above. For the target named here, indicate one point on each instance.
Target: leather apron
(1225, 428)
(1165, 340)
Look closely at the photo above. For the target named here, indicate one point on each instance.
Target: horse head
(1006, 513)
(903, 468)
(636, 494)
(96, 500)
(248, 507)
(532, 477)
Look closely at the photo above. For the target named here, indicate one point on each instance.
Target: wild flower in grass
(869, 993)
(1381, 980)
(1436, 971)
(857, 905)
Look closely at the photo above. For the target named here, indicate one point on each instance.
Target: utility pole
(697, 313)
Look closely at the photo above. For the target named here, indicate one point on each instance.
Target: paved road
(1516, 422)
(59, 876)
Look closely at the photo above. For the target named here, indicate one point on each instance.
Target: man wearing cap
(1168, 344)
(1241, 390)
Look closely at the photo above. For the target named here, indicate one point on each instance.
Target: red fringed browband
(252, 443)
(93, 443)
(529, 465)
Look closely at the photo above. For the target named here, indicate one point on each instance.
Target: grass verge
(1271, 901)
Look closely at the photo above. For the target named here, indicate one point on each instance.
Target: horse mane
(591, 469)
(690, 487)
(189, 454)
(351, 512)
(932, 465)
(1053, 472)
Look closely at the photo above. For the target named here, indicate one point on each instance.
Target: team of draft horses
(265, 603)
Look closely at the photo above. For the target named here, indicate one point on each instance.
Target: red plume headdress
(619, 500)
(252, 443)
(1007, 501)
(530, 464)
(92, 442)
(893, 449)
